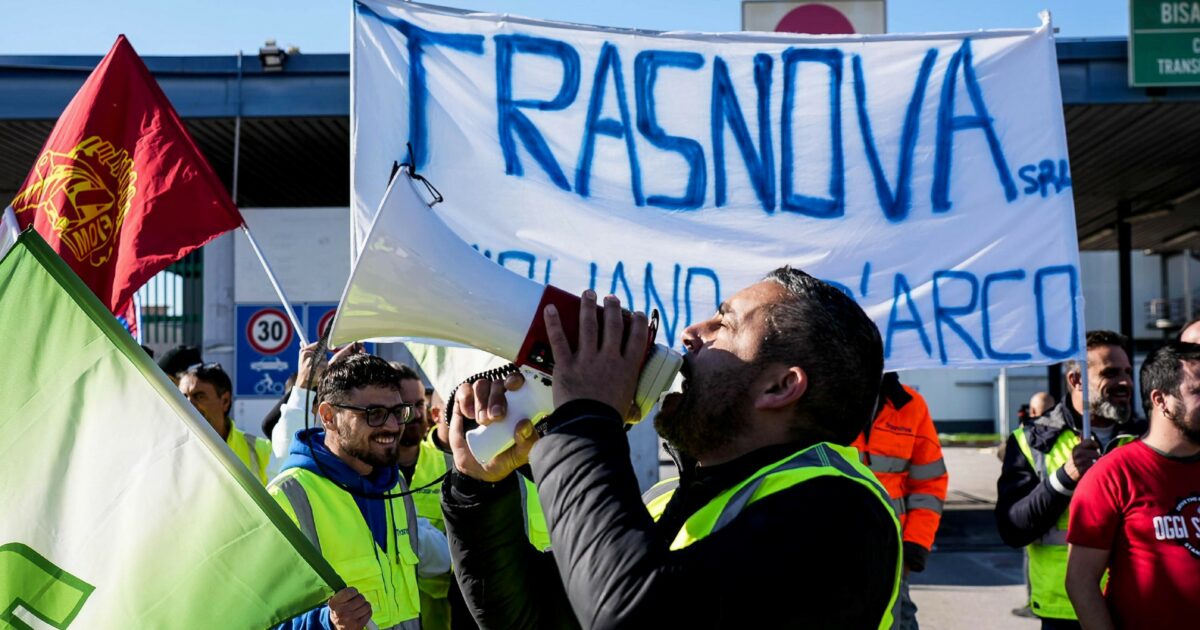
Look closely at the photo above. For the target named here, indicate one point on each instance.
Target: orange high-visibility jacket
(901, 447)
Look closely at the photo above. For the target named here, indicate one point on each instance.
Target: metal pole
(237, 130)
(237, 152)
(1187, 285)
(287, 306)
(1124, 255)
(1002, 419)
(1087, 413)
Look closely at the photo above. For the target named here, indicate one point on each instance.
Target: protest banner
(123, 507)
(926, 175)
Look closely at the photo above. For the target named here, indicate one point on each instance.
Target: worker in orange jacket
(901, 447)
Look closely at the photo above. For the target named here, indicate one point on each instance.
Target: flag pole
(287, 306)
(237, 151)
(1083, 373)
(1087, 413)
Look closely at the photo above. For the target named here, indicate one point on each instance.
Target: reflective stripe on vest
(244, 447)
(250, 443)
(656, 498)
(1048, 555)
(819, 460)
(932, 470)
(431, 464)
(330, 518)
(303, 508)
(919, 501)
(884, 463)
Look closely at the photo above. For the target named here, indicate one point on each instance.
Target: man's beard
(411, 435)
(359, 446)
(1179, 419)
(1102, 408)
(709, 414)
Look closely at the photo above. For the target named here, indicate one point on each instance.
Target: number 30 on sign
(269, 331)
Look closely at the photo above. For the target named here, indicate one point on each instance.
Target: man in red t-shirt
(1137, 511)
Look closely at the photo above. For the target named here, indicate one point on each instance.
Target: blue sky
(200, 27)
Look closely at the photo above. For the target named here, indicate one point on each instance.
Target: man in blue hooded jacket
(342, 486)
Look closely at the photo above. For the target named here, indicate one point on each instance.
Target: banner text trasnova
(927, 176)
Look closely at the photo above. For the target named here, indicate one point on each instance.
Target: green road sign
(1164, 43)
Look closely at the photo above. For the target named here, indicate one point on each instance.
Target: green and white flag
(119, 506)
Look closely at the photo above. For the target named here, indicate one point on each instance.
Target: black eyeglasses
(377, 416)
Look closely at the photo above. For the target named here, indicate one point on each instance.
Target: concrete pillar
(218, 301)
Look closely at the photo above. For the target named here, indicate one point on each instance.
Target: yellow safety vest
(820, 460)
(432, 463)
(1048, 555)
(332, 522)
(252, 450)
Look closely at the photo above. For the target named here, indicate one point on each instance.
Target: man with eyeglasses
(341, 484)
(210, 391)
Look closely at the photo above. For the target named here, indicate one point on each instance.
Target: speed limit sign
(269, 331)
(325, 322)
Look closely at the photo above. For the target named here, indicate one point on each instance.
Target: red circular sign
(269, 331)
(325, 322)
(815, 19)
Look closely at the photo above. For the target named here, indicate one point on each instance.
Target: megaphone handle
(533, 400)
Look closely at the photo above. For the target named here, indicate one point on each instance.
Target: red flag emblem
(120, 190)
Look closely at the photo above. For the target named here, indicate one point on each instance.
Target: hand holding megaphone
(605, 363)
(604, 366)
(484, 401)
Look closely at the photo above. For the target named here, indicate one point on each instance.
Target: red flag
(120, 190)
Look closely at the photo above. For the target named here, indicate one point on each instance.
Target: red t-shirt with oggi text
(1145, 509)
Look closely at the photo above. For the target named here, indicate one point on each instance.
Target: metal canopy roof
(1131, 145)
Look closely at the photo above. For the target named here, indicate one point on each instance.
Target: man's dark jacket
(821, 554)
(1028, 507)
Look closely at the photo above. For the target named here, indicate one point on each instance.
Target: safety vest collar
(819, 460)
(822, 459)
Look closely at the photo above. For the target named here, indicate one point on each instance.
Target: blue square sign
(268, 349)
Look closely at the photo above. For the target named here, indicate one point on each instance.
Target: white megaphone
(416, 278)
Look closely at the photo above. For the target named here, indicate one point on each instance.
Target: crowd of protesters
(791, 444)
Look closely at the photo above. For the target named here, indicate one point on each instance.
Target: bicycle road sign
(266, 351)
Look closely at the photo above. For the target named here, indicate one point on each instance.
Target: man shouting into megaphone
(772, 522)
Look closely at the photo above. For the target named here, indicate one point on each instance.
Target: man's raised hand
(601, 368)
(484, 402)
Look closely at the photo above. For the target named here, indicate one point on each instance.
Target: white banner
(926, 175)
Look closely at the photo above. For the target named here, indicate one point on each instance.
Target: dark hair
(211, 373)
(824, 331)
(355, 371)
(178, 359)
(1163, 370)
(406, 373)
(1098, 339)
